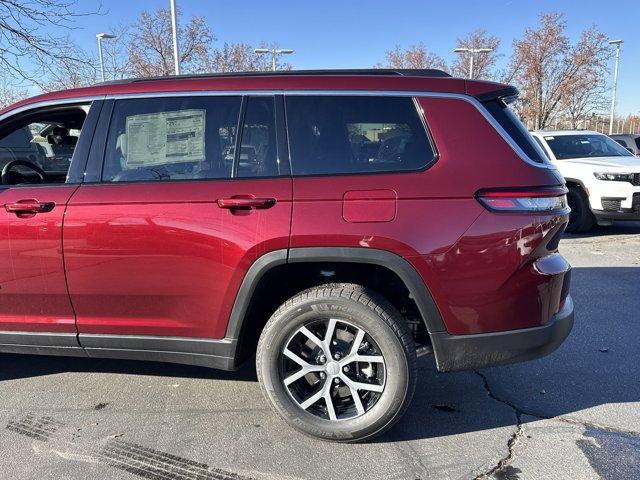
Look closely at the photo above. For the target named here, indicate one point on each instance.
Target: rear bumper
(467, 352)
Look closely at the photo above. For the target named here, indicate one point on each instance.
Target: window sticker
(165, 137)
(549, 138)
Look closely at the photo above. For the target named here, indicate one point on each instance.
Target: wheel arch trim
(398, 265)
(578, 182)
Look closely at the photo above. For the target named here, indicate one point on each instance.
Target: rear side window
(160, 139)
(356, 134)
(514, 128)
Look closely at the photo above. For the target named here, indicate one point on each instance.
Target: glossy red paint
(488, 280)
(369, 206)
(166, 259)
(264, 82)
(464, 254)
(33, 294)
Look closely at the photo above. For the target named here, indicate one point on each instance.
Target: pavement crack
(519, 413)
(513, 439)
(562, 419)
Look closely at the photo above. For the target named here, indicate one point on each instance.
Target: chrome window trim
(419, 111)
(51, 103)
(418, 94)
(393, 93)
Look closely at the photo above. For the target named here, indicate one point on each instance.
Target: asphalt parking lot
(575, 414)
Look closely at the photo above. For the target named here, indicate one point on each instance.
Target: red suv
(336, 224)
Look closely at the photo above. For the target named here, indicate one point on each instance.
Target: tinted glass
(621, 142)
(179, 138)
(258, 152)
(514, 128)
(355, 134)
(47, 142)
(581, 146)
(638, 142)
(539, 143)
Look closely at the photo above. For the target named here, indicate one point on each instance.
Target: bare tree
(587, 93)
(115, 53)
(547, 68)
(68, 72)
(586, 96)
(483, 63)
(27, 45)
(150, 50)
(416, 56)
(240, 57)
(10, 93)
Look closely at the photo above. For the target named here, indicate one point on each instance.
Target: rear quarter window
(512, 125)
(356, 134)
(539, 142)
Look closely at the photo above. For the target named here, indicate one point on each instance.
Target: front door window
(38, 149)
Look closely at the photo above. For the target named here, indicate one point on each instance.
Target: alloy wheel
(333, 369)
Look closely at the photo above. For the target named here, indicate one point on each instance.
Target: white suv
(603, 177)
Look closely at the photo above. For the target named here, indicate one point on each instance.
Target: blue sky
(343, 34)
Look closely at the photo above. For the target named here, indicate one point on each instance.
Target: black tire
(351, 305)
(581, 219)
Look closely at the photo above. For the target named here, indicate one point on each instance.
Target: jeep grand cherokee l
(335, 224)
(603, 177)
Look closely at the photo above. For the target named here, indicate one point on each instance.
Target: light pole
(274, 54)
(174, 32)
(100, 37)
(617, 43)
(472, 52)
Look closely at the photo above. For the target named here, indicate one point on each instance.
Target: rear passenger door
(182, 195)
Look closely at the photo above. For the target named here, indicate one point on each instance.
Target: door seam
(64, 266)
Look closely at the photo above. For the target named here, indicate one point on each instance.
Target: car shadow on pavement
(618, 228)
(592, 378)
(25, 366)
(596, 366)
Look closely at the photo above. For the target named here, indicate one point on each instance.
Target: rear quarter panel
(435, 210)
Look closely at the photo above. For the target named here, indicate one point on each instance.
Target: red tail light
(525, 200)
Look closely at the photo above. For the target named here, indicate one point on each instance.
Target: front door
(36, 149)
(160, 244)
